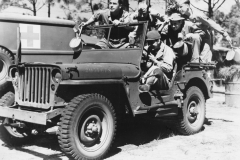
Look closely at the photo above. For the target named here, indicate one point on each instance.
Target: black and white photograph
(119, 79)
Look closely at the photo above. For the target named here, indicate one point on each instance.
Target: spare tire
(6, 59)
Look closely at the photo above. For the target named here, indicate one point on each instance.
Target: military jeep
(87, 97)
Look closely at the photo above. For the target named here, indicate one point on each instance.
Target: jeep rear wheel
(6, 59)
(87, 127)
(11, 135)
(192, 116)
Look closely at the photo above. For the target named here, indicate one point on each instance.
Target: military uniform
(206, 24)
(104, 18)
(153, 17)
(164, 56)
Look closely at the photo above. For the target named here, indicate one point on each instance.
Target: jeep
(87, 96)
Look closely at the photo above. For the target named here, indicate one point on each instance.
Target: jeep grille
(34, 86)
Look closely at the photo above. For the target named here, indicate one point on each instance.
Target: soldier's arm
(213, 25)
(94, 18)
(156, 14)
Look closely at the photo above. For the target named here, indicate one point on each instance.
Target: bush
(229, 73)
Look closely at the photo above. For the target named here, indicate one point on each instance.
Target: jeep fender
(196, 78)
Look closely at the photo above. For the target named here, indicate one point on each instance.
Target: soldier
(115, 15)
(162, 57)
(205, 24)
(144, 13)
(178, 29)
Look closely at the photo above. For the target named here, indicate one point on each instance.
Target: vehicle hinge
(72, 69)
(125, 79)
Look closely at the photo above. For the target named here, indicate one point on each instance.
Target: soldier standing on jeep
(205, 24)
(115, 15)
(162, 57)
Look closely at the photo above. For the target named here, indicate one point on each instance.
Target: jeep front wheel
(192, 115)
(87, 127)
(6, 59)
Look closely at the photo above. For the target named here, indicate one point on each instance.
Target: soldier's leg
(196, 42)
(206, 54)
(206, 51)
(156, 77)
(104, 44)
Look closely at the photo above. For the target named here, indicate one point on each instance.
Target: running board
(157, 107)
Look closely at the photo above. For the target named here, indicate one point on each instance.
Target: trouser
(160, 80)
(201, 48)
(104, 44)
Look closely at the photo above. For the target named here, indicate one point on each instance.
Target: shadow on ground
(141, 131)
(136, 132)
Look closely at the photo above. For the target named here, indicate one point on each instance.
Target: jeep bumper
(29, 116)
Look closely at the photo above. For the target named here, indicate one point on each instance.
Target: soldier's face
(183, 8)
(176, 24)
(113, 5)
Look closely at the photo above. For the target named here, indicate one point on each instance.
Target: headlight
(57, 75)
(13, 72)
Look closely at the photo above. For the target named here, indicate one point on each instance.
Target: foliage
(229, 73)
(213, 5)
(31, 5)
(231, 21)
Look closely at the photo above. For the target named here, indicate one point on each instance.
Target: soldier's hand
(188, 37)
(152, 57)
(116, 22)
(82, 24)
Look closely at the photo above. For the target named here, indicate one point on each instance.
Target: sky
(58, 12)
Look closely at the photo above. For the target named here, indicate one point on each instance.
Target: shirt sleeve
(209, 22)
(164, 33)
(97, 16)
(125, 17)
(156, 14)
(168, 58)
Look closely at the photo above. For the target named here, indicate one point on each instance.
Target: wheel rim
(93, 129)
(3, 69)
(194, 110)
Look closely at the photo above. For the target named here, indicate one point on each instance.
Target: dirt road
(219, 140)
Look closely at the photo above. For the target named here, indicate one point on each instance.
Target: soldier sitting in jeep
(162, 56)
(116, 15)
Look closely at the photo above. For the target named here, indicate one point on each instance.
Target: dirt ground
(141, 140)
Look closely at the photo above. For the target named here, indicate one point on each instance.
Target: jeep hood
(98, 71)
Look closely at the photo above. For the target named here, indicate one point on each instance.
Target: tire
(6, 59)
(10, 135)
(76, 138)
(191, 117)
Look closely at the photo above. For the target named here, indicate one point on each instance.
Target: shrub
(229, 73)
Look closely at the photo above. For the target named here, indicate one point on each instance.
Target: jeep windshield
(114, 37)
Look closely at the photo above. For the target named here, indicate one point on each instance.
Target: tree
(49, 4)
(213, 5)
(238, 3)
(31, 5)
(4, 4)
